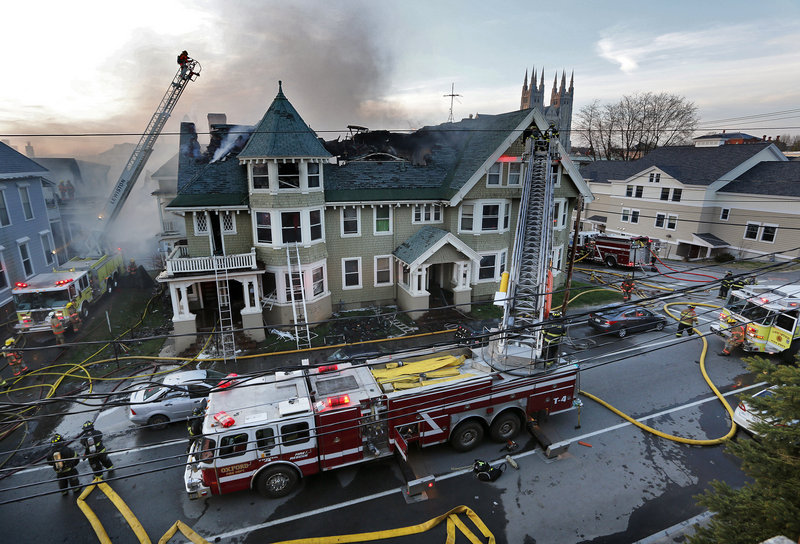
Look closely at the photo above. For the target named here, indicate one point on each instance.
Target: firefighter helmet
(691, 306)
(56, 438)
(70, 305)
(555, 313)
(731, 321)
(10, 342)
(88, 426)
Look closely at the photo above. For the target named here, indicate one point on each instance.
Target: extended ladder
(531, 257)
(302, 333)
(227, 340)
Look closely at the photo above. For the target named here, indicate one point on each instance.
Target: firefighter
(725, 285)
(195, 424)
(738, 283)
(14, 358)
(183, 58)
(95, 450)
(735, 338)
(70, 189)
(688, 320)
(627, 287)
(62, 189)
(74, 317)
(57, 326)
(63, 459)
(553, 333)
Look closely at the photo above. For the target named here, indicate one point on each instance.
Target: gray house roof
(283, 133)
(13, 163)
(710, 239)
(418, 243)
(768, 178)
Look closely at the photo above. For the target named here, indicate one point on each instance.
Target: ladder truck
(268, 433)
(84, 279)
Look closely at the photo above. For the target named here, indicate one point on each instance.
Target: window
(228, 223)
(557, 264)
(506, 215)
(288, 175)
(466, 217)
(25, 197)
(493, 174)
(232, 445)
(290, 227)
(555, 172)
(660, 219)
(676, 195)
(751, 231)
(260, 176)
(294, 433)
(47, 247)
(318, 279)
(270, 286)
(487, 267)
(724, 214)
(768, 233)
(350, 222)
(626, 215)
(3, 275)
(200, 223)
(313, 175)
(263, 228)
(265, 439)
(634, 216)
(560, 214)
(383, 220)
(5, 219)
(294, 285)
(26, 259)
(629, 190)
(639, 191)
(315, 221)
(655, 178)
(427, 213)
(383, 270)
(672, 222)
(665, 193)
(351, 273)
(490, 217)
(514, 173)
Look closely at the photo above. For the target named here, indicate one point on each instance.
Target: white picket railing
(179, 262)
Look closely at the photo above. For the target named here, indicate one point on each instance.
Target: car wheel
(622, 333)
(466, 436)
(660, 325)
(611, 262)
(277, 482)
(158, 422)
(505, 427)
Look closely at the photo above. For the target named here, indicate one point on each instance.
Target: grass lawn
(592, 298)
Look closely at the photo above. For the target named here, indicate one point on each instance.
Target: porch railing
(179, 262)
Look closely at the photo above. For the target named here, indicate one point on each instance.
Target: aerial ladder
(524, 292)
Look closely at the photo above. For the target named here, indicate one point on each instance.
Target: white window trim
(4, 270)
(422, 221)
(20, 189)
(672, 194)
(197, 231)
(499, 175)
(666, 225)
(321, 226)
(49, 256)
(306, 277)
(557, 175)
(722, 212)
(560, 223)
(323, 265)
(232, 215)
(24, 242)
(557, 260)
(5, 205)
(761, 233)
(346, 287)
(300, 179)
(375, 270)
(638, 215)
(375, 220)
(254, 220)
(304, 177)
(663, 223)
(477, 216)
(272, 173)
(625, 212)
(755, 238)
(358, 222)
(499, 264)
(460, 215)
(276, 226)
(508, 176)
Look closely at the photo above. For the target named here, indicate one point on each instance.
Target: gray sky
(102, 67)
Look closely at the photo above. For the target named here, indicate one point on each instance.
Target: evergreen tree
(769, 505)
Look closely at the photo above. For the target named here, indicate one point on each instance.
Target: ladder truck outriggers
(267, 433)
(84, 279)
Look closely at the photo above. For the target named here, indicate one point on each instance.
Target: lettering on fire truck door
(783, 330)
(234, 459)
(298, 445)
(339, 435)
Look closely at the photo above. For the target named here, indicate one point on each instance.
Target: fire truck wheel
(84, 310)
(505, 427)
(158, 422)
(276, 482)
(466, 436)
(611, 262)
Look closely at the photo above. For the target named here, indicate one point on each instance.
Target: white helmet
(51, 315)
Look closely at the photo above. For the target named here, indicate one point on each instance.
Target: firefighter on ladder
(627, 288)
(553, 333)
(74, 317)
(688, 320)
(14, 358)
(735, 339)
(57, 325)
(63, 459)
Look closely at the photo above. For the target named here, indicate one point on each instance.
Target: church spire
(571, 79)
(563, 81)
(525, 83)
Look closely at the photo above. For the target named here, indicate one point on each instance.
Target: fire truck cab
(269, 432)
(617, 250)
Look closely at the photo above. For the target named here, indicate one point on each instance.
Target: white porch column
(252, 318)
(184, 300)
(173, 296)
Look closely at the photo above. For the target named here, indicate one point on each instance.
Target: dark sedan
(625, 319)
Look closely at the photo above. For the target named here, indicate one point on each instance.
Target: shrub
(724, 258)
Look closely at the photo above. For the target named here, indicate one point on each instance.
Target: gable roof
(283, 133)
(768, 178)
(427, 241)
(13, 163)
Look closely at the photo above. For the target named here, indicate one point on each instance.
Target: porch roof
(423, 244)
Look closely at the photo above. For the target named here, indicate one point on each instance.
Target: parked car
(746, 417)
(624, 319)
(172, 397)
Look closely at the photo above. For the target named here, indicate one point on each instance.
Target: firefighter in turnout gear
(738, 283)
(688, 320)
(553, 333)
(63, 459)
(725, 285)
(74, 317)
(195, 424)
(735, 339)
(95, 450)
(627, 287)
(132, 268)
(57, 325)
(14, 358)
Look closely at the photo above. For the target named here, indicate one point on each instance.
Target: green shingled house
(301, 227)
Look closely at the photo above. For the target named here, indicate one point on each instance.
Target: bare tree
(636, 124)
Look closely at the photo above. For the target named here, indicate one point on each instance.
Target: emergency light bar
(59, 283)
(327, 368)
(20, 284)
(338, 400)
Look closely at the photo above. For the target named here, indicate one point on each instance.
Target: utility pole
(452, 95)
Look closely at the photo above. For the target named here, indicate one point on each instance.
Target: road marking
(246, 530)
(637, 348)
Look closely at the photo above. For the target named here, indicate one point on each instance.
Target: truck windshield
(752, 312)
(41, 300)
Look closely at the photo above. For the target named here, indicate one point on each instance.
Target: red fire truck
(270, 432)
(614, 250)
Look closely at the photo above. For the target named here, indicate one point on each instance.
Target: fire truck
(769, 314)
(617, 250)
(268, 433)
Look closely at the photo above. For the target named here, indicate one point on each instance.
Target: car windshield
(45, 299)
(154, 392)
(213, 377)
